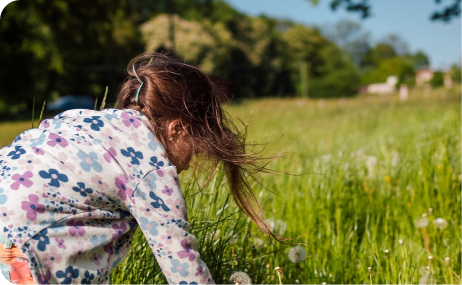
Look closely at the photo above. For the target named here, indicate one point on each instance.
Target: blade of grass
(103, 103)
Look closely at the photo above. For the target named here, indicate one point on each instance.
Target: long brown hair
(173, 89)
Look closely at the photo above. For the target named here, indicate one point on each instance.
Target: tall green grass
(371, 167)
(362, 172)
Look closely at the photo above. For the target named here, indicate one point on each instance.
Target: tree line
(53, 48)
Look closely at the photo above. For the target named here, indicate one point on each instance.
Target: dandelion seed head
(324, 283)
(430, 211)
(440, 223)
(400, 241)
(447, 260)
(430, 257)
(386, 252)
(297, 254)
(423, 222)
(240, 277)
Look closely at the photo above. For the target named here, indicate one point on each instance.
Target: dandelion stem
(426, 243)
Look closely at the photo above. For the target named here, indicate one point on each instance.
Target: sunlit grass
(372, 167)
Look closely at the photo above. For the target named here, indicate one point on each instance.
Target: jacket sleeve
(159, 208)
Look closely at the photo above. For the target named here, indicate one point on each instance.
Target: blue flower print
(178, 267)
(151, 177)
(97, 241)
(42, 239)
(89, 161)
(130, 152)
(155, 163)
(154, 143)
(82, 190)
(55, 177)
(146, 225)
(68, 274)
(95, 122)
(17, 152)
(38, 141)
(186, 283)
(88, 277)
(158, 202)
(3, 197)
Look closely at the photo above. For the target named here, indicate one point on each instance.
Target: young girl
(73, 191)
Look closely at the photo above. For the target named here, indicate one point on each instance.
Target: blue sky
(407, 18)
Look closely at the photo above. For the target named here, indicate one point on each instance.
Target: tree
(329, 72)
(437, 79)
(350, 37)
(363, 7)
(420, 60)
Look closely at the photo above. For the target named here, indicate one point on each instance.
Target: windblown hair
(173, 89)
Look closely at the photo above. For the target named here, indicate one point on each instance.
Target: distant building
(383, 88)
(423, 76)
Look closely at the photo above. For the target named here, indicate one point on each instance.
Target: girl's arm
(159, 208)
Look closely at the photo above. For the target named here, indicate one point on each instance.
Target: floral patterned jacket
(74, 190)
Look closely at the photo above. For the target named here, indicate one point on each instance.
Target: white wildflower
(297, 254)
(240, 277)
(447, 260)
(422, 223)
(440, 223)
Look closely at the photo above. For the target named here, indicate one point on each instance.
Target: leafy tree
(350, 37)
(363, 7)
(437, 79)
(420, 60)
(330, 74)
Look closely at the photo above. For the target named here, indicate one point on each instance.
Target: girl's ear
(176, 128)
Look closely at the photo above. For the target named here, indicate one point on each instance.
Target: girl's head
(184, 109)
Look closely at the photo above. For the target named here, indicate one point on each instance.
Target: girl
(73, 191)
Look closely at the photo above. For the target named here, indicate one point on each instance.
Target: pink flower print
(95, 258)
(28, 162)
(160, 173)
(32, 207)
(129, 119)
(43, 279)
(199, 271)
(45, 124)
(167, 191)
(177, 206)
(52, 256)
(186, 252)
(98, 181)
(55, 139)
(124, 191)
(5, 214)
(21, 180)
(38, 151)
(77, 251)
(63, 164)
(119, 230)
(110, 138)
(143, 140)
(76, 228)
(146, 209)
(167, 237)
(60, 243)
(110, 154)
(109, 248)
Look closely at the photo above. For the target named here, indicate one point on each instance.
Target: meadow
(369, 187)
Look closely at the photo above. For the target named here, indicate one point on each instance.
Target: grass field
(368, 179)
